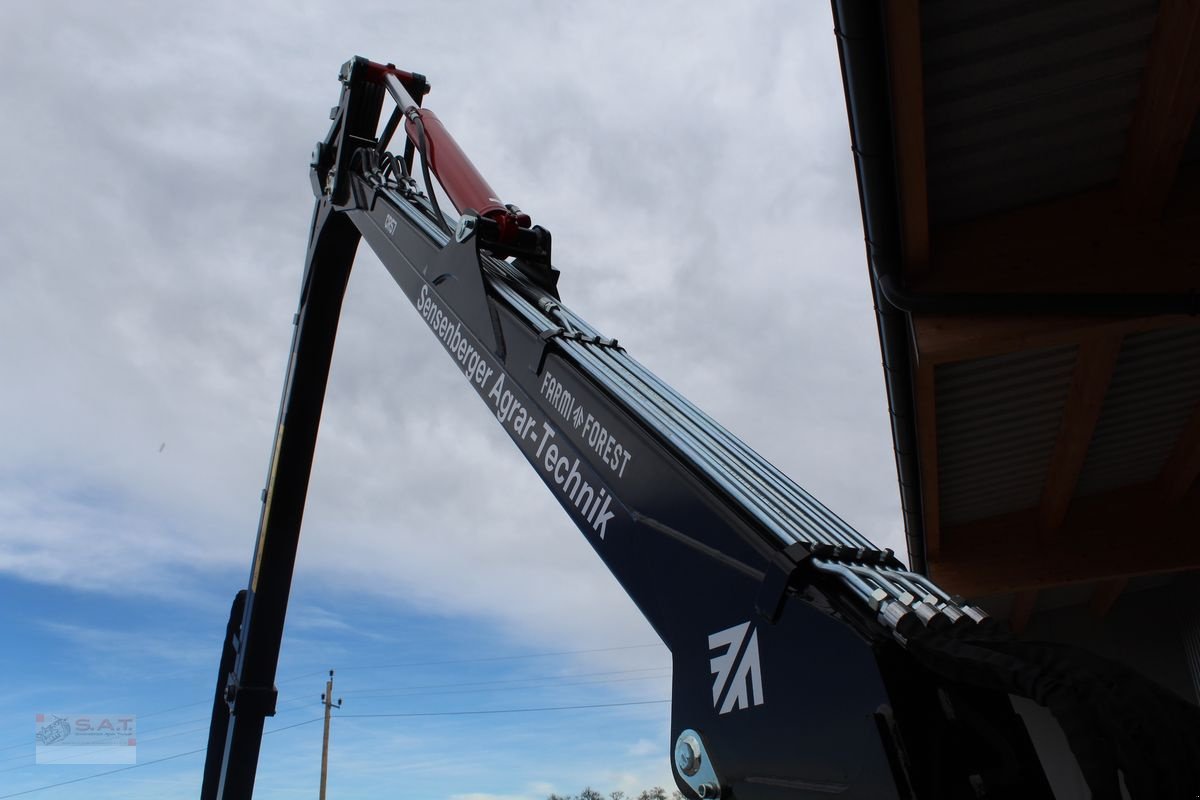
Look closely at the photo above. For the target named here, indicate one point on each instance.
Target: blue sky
(77, 655)
(695, 171)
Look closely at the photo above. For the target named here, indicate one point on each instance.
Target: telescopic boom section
(806, 661)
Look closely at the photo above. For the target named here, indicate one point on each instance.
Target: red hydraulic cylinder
(465, 187)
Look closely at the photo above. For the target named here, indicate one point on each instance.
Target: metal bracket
(864, 555)
(250, 700)
(694, 766)
(578, 336)
(783, 569)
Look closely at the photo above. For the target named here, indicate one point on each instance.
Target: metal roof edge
(862, 51)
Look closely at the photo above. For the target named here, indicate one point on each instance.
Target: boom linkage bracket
(784, 573)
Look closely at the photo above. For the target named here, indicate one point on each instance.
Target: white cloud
(694, 169)
(645, 747)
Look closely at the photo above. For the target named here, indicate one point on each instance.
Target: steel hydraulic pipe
(734, 461)
(728, 439)
(888, 586)
(656, 424)
(774, 492)
(781, 518)
(852, 581)
(664, 418)
(785, 484)
(748, 455)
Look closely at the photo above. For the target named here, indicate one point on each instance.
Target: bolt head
(466, 228)
(687, 756)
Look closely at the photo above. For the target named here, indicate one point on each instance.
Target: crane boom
(806, 661)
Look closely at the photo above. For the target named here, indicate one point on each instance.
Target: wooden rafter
(1089, 384)
(926, 402)
(940, 340)
(1166, 109)
(1104, 595)
(1182, 467)
(1024, 604)
(1085, 242)
(1121, 533)
(908, 111)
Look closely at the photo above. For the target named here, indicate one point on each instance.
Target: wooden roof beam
(1182, 467)
(944, 339)
(1118, 534)
(1084, 242)
(1089, 384)
(1104, 594)
(1024, 604)
(908, 114)
(1166, 109)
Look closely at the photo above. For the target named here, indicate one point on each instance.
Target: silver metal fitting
(891, 614)
(695, 767)
(926, 612)
(953, 613)
(975, 614)
(466, 228)
(877, 598)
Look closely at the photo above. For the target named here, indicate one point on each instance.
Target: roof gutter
(862, 50)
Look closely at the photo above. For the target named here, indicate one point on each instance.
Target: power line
(285, 709)
(143, 764)
(383, 691)
(542, 688)
(480, 660)
(295, 678)
(344, 716)
(503, 710)
(562, 680)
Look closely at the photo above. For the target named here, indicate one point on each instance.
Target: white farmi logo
(747, 675)
(389, 224)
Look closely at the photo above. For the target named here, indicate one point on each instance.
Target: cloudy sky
(694, 167)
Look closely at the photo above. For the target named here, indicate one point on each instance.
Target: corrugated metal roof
(1026, 100)
(1154, 388)
(998, 420)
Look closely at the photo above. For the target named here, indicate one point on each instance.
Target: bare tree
(657, 793)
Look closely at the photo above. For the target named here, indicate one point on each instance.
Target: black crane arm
(807, 662)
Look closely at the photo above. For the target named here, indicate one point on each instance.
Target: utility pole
(327, 699)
